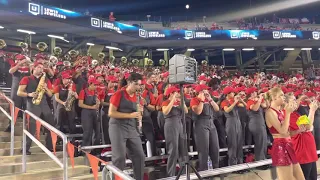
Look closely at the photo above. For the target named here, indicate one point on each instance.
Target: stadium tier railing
(10, 116)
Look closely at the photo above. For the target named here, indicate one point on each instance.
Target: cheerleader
(173, 131)
(283, 155)
(257, 125)
(205, 132)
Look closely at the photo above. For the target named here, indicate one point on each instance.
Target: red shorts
(283, 153)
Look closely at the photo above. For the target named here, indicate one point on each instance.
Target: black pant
(309, 170)
(105, 127)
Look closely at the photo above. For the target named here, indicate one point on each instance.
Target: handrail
(11, 118)
(64, 164)
(115, 170)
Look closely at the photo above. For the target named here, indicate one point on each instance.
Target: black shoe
(28, 153)
(263, 167)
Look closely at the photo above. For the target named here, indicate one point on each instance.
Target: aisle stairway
(39, 165)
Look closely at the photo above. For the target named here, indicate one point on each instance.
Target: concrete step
(17, 144)
(86, 177)
(31, 158)
(8, 134)
(52, 173)
(14, 168)
(6, 152)
(16, 128)
(4, 124)
(16, 138)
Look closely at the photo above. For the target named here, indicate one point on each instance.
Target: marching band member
(303, 140)
(243, 115)
(205, 132)
(233, 127)
(256, 124)
(61, 93)
(124, 116)
(111, 89)
(173, 131)
(19, 69)
(31, 88)
(147, 124)
(89, 102)
(278, 121)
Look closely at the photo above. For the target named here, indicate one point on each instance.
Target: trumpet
(42, 46)
(204, 62)
(67, 57)
(222, 67)
(214, 67)
(149, 62)
(135, 62)
(53, 61)
(94, 63)
(2, 44)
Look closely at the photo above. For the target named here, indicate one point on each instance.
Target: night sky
(176, 7)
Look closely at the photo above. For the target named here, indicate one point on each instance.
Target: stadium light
(288, 49)
(25, 31)
(113, 48)
(1, 27)
(228, 49)
(190, 49)
(248, 49)
(90, 44)
(161, 49)
(306, 49)
(55, 36)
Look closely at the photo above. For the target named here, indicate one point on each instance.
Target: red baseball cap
(251, 90)
(111, 79)
(66, 76)
(165, 74)
(203, 78)
(310, 94)
(37, 63)
(228, 90)
(170, 90)
(201, 87)
(93, 80)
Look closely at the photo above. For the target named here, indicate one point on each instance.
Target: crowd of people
(119, 104)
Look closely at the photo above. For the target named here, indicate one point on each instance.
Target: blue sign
(53, 12)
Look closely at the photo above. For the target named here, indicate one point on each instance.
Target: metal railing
(64, 163)
(108, 168)
(11, 118)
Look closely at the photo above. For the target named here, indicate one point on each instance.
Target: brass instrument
(204, 62)
(162, 62)
(222, 67)
(73, 53)
(53, 61)
(70, 99)
(42, 46)
(214, 67)
(25, 47)
(66, 63)
(57, 51)
(135, 62)
(40, 90)
(94, 63)
(111, 59)
(2, 44)
(124, 60)
(101, 56)
(149, 62)
(67, 57)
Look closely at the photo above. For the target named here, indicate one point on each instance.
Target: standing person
(303, 140)
(173, 131)
(257, 125)
(61, 93)
(205, 132)
(19, 69)
(233, 126)
(27, 88)
(124, 114)
(243, 115)
(89, 102)
(278, 121)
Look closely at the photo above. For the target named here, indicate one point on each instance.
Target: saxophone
(70, 98)
(40, 90)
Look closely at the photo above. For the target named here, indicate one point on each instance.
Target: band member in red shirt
(124, 113)
(257, 125)
(233, 126)
(61, 93)
(205, 132)
(303, 140)
(90, 103)
(173, 131)
(27, 88)
(19, 69)
(278, 121)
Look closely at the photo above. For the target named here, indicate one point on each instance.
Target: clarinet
(139, 122)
